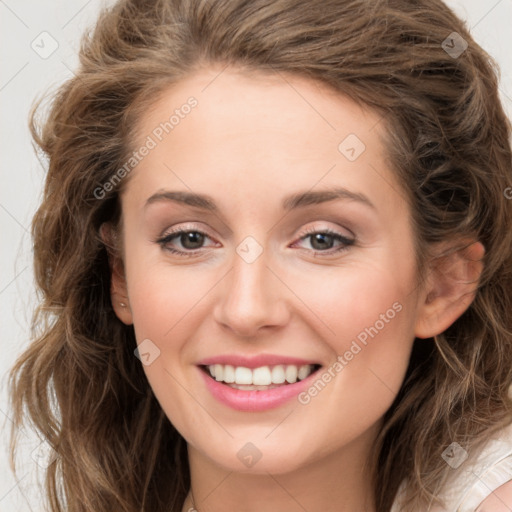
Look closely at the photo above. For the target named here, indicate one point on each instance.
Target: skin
(499, 501)
(251, 141)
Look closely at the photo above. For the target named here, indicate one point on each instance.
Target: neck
(337, 482)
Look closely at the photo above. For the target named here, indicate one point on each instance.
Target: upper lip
(254, 361)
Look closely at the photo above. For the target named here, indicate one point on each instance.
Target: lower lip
(253, 400)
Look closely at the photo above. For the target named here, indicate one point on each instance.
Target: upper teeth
(262, 376)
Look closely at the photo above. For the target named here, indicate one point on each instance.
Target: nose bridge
(250, 297)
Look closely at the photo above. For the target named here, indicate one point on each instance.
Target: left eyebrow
(297, 200)
(308, 198)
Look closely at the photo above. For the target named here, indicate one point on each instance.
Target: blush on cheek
(375, 337)
(160, 298)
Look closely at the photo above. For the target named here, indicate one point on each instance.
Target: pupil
(319, 237)
(193, 237)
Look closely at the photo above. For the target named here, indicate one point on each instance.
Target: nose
(251, 297)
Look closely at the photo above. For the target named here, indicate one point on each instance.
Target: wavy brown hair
(448, 142)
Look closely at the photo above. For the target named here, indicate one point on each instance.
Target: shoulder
(489, 480)
(482, 483)
(499, 500)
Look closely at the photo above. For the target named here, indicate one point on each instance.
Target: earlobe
(119, 298)
(118, 288)
(121, 307)
(452, 286)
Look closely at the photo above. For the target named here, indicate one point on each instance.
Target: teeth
(219, 372)
(291, 374)
(243, 375)
(229, 373)
(303, 372)
(278, 375)
(262, 376)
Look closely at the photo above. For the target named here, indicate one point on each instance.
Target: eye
(191, 241)
(322, 241)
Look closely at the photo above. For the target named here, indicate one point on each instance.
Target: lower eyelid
(345, 244)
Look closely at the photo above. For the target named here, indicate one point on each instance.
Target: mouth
(262, 378)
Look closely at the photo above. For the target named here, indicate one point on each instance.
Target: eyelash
(163, 241)
(346, 242)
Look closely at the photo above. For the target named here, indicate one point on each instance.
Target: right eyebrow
(297, 200)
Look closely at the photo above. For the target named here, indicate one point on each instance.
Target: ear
(118, 288)
(451, 287)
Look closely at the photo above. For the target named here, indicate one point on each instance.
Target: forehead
(264, 132)
(236, 102)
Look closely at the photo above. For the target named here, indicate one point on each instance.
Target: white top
(476, 478)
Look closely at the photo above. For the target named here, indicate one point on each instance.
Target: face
(268, 274)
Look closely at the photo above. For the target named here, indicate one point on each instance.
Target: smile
(256, 389)
(265, 377)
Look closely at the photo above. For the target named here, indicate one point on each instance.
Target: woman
(275, 255)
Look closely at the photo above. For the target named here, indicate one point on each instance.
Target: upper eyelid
(179, 231)
(308, 232)
(333, 231)
(189, 227)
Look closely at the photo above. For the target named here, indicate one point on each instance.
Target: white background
(24, 76)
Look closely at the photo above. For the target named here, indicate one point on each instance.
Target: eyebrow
(292, 202)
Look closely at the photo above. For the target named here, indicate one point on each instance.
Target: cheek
(369, 312)
(164, 297)
(165, 303)
(359, 297)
